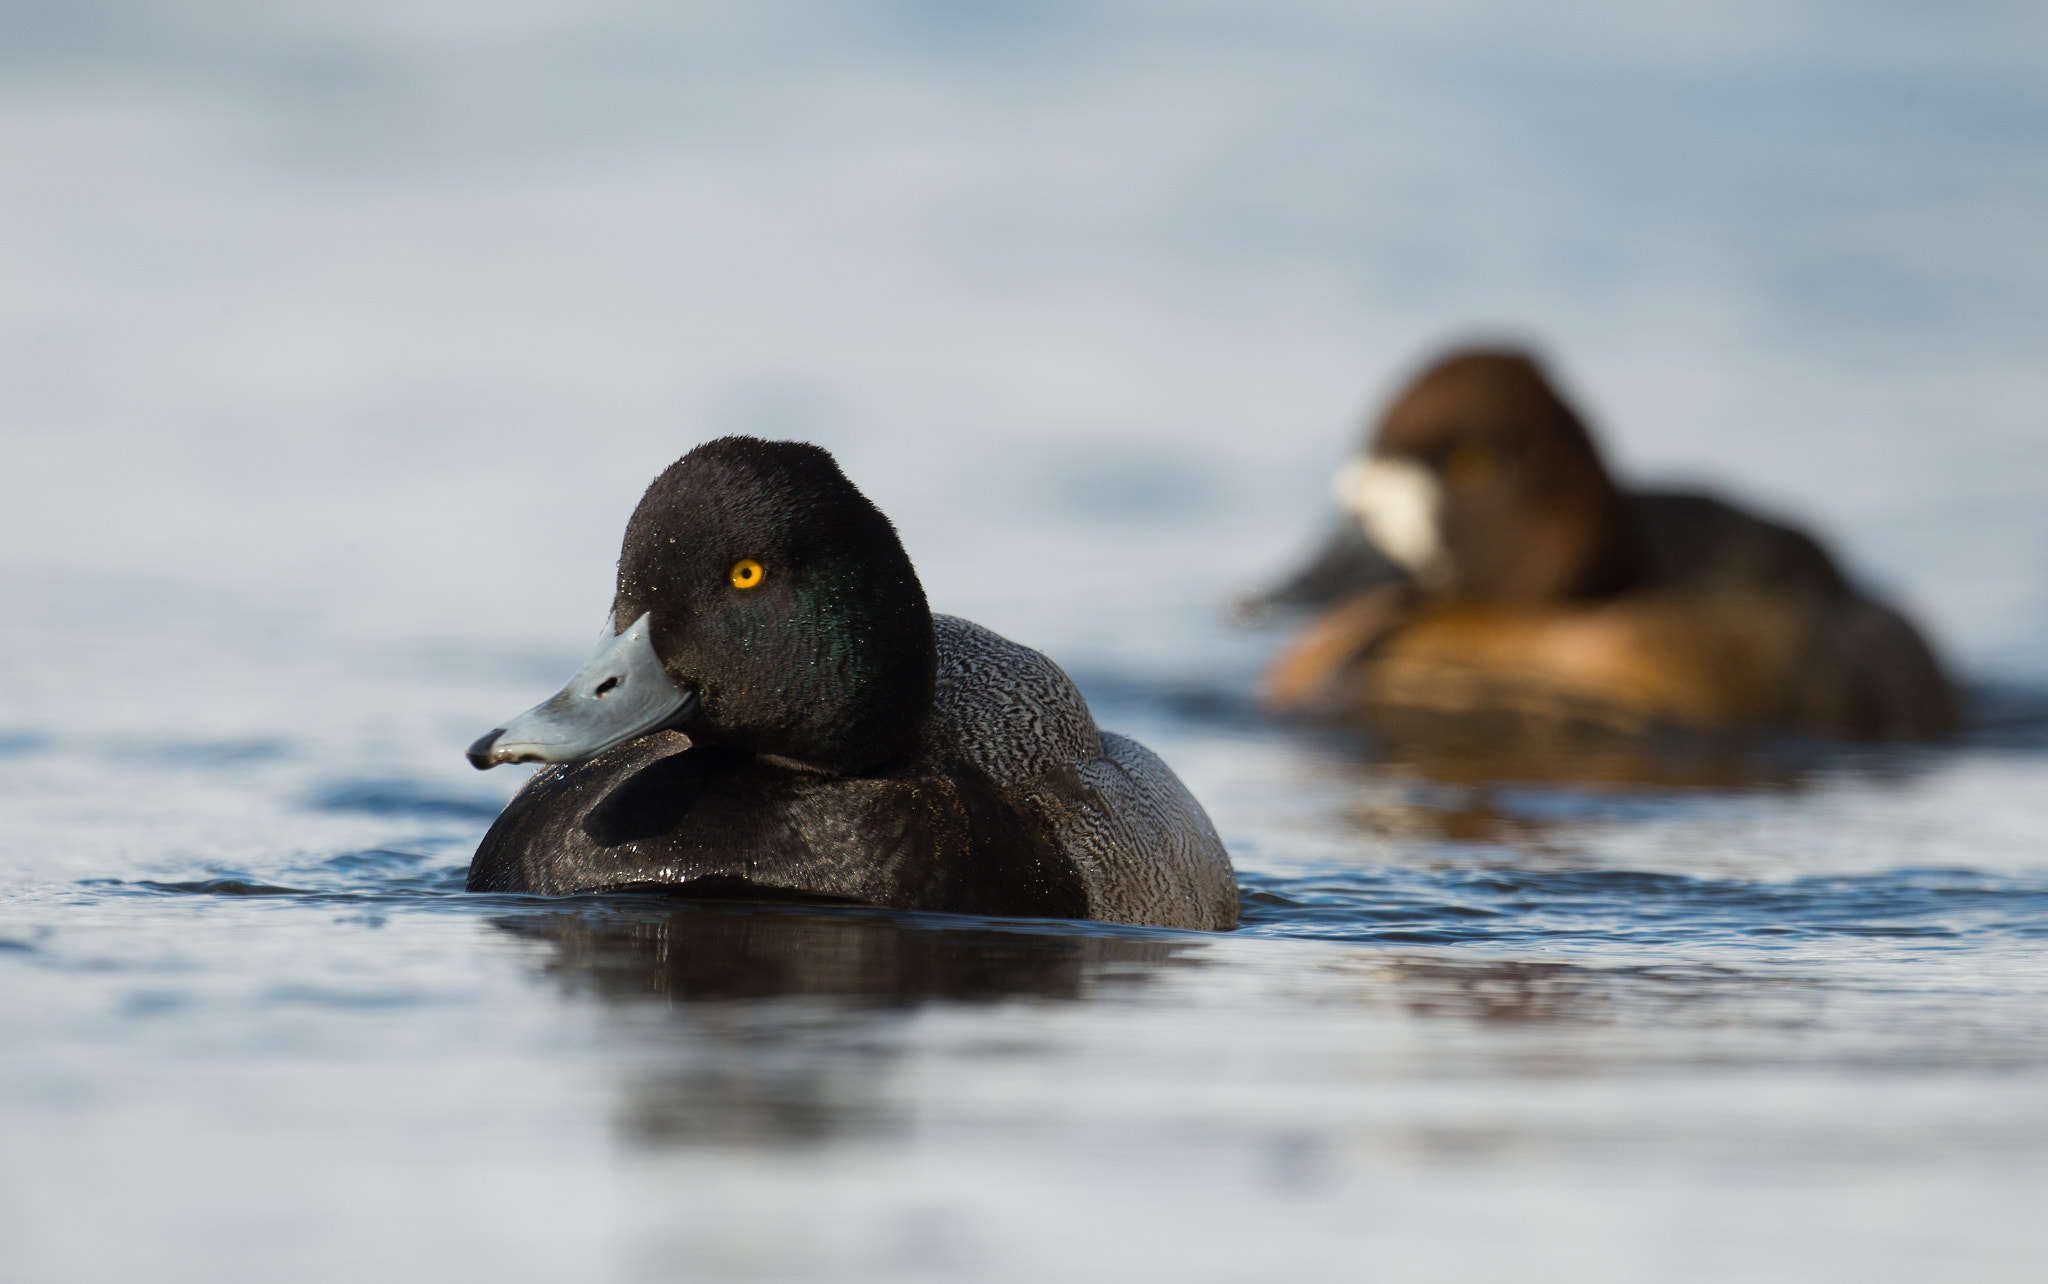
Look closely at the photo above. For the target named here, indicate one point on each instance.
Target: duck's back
(1700, 545)
(1846, 663)
(1143, 846)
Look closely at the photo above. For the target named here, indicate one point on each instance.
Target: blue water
(325, 1056)
(1717, 1029)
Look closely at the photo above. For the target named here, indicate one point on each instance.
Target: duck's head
(763, 604)
(1481, 482)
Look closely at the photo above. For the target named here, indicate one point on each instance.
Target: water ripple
(1592, 907)
(402, 798)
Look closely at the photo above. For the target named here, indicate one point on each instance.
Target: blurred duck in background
(1489, 564)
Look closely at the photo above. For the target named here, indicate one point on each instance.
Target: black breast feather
(930, 833)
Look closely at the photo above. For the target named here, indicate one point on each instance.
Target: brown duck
(1489, 563)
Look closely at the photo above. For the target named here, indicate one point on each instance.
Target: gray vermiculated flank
(1144, 846)
(1005, 708)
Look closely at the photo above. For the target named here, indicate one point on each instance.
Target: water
(338, 342)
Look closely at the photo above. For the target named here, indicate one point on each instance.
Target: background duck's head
(763, 603)
(1479, 481)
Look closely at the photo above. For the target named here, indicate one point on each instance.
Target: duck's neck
(845, 688)
(1563, 532)
(866, 670)
(1599, 553)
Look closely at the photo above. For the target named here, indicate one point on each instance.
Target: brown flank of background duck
(1500, 569)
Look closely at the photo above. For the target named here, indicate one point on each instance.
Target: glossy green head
(785, 600)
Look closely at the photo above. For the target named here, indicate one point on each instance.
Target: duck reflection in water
(1534, 785)
(767, 1025)
(1537, 993)
(1494, 596)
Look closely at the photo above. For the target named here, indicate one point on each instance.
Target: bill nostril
(607, 685)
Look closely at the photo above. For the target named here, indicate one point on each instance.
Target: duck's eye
(747, 572)
(1469, 466)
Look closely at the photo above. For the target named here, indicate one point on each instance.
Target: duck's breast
(658, 814)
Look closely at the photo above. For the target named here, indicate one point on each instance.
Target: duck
(773, 712)
(1488, 563)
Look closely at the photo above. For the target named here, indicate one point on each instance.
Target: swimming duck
(1488, 562)
(774, 712)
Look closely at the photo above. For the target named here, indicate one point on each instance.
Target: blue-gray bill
(620, 695)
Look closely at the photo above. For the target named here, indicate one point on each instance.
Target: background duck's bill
(621, 694)
(1347, 565)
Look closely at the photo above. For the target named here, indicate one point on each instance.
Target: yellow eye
(747, 572)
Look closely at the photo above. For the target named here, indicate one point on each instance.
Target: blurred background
(384, 314)
(338, 340)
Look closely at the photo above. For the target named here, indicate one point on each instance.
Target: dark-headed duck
(773, 712)
(1488, 563)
